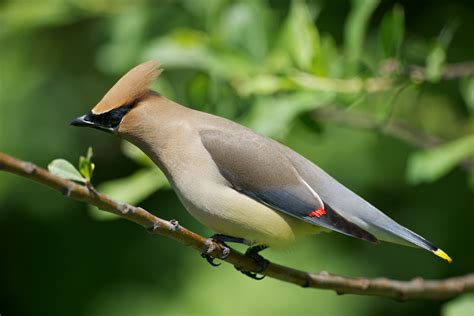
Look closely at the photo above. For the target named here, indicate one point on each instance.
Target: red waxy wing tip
(318, 212)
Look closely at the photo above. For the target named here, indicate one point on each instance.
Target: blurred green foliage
(461, 306)
(271, 65)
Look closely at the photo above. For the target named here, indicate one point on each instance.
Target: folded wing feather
(256, 167)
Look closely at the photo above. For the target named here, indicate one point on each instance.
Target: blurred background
(378, 93)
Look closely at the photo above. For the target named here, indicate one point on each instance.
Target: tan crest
(133, 85)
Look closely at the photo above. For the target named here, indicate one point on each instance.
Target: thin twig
(382, 287)
(449, 71)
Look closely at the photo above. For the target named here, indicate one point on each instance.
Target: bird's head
(126, 95)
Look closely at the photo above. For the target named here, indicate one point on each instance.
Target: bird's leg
(253, 252)
(221, 240)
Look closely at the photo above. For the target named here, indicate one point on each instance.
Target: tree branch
(391, 73)
(382, 287)
(449, 71)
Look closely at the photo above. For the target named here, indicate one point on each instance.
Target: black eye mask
(108, 121)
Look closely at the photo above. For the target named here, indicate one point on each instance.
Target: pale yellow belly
(234, 214)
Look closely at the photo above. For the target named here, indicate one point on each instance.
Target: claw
(252, 252)
(253, 275)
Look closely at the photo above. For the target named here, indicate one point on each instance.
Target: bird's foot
(221, 240)
(253, 252)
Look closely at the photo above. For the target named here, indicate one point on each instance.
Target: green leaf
(242, 27)
(132, 189)
(86, 166)
(435, 63)
(355, 29)
(467, 92)
(392, 31)
(460, 306)
(430, 165)
(283, 110)
(447, 33)
(64, 169)
(300, 36)
(183, 48)
(187, 48)
(437, 56)
(89, 154)
(331, 60)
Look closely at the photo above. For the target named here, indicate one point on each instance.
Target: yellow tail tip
(440, 253)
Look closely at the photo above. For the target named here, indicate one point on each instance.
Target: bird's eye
(116, 115)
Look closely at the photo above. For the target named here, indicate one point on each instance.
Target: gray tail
(395, 233)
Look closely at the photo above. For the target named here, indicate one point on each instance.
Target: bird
(246, 187)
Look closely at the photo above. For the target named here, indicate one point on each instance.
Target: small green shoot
(86, 166)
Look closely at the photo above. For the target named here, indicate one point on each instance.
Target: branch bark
(417, 288)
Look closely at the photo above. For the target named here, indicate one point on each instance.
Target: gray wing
(257, 168)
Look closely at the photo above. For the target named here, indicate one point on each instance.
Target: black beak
(98, 121)
(81, 121)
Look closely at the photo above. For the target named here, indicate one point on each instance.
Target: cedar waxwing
(248, 188)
